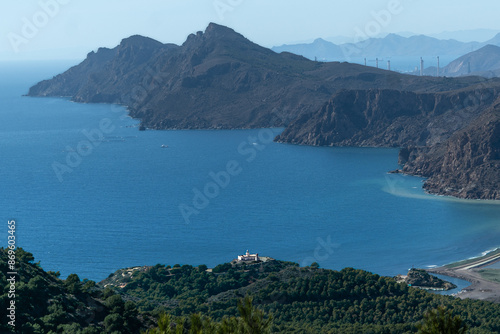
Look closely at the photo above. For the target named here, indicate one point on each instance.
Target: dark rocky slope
(467, 165)
(385, 118)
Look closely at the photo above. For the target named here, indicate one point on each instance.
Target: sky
(69, 29)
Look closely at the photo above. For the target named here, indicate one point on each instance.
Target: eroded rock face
(465, 166)
(386, 118)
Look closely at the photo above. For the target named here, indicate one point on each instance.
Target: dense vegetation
(298, 299)
(184, 298)
(250, 320)
(47, 304)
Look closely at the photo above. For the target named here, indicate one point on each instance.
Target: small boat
(164, 146)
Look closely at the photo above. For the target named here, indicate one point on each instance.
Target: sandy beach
(480, 288)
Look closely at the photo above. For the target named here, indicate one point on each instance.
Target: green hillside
(295, 299)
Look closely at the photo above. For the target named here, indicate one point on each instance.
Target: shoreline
(469, 270)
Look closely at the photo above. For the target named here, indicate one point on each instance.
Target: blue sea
(91, 194)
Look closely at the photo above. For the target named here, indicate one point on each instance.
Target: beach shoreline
(469, 270)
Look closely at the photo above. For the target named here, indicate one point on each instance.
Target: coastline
(469, 270)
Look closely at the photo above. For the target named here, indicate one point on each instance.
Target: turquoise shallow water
(115, 200)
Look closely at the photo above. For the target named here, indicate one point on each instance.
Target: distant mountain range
(390, 46)
(472, 58)
(474, 35)
(448, 128)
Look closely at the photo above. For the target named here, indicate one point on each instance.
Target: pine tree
(441, 321)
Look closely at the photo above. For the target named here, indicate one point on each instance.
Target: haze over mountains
(219, 79)
(472, 35)
(391, 47)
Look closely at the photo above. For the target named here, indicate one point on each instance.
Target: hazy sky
(71, 28)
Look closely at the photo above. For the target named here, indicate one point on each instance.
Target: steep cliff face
(465, 166)
(363, 118)
(388, 118)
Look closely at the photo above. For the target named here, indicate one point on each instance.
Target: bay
(91, 204)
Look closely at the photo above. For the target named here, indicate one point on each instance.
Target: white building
(248, 257)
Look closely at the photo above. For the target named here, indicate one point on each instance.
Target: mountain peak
(393, 36)
(321, 41)
(215, 30)
(138, 40)
(217, 27)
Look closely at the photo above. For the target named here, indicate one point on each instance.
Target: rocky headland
(419, 278)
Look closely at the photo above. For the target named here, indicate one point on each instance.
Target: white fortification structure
(248, 257)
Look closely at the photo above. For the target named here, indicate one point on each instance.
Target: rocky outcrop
(216, 79)
(365, 118)
(465, 166)
(419, 278)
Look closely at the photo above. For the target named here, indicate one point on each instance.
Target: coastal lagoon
(91, 194)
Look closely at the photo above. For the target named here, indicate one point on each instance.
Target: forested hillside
(292, 299)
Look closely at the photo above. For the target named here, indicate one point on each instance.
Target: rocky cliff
(382, 117)
(467, 165)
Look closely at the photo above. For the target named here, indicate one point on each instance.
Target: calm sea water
(91, 204)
